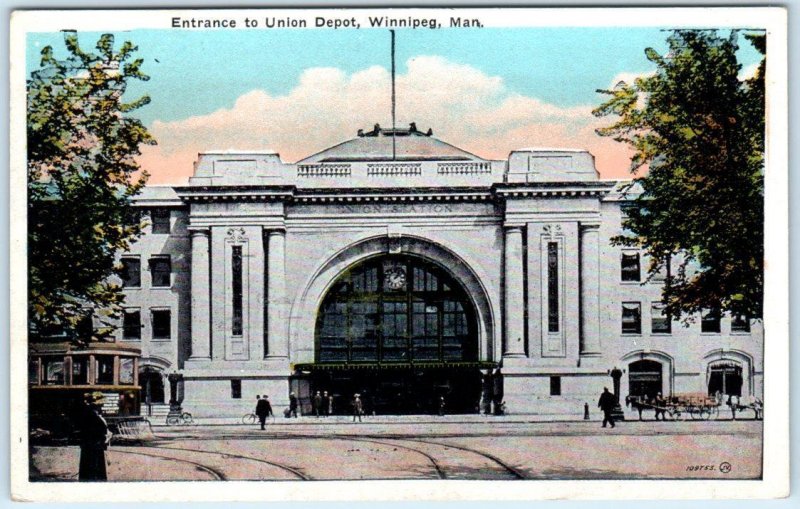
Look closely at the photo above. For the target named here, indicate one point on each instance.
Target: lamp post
(616, 375)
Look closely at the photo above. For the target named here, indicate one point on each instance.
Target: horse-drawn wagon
(697, 406)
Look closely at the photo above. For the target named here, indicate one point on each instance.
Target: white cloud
(463, 105)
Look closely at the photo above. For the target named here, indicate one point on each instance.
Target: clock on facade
(394, 278)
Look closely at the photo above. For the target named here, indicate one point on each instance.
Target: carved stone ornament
(552, 230)
(237, 235)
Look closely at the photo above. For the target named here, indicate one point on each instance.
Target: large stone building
(408, 269)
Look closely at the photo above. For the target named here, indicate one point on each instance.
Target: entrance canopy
(395, 365)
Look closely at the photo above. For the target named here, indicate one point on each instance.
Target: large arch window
(396, 309)
(645, 378)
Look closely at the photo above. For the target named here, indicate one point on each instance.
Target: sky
(488, 91)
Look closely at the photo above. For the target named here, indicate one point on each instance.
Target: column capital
(513, 227)
(589, 226)
(196, 231)
(269, 232)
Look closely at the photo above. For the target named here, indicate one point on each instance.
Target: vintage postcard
(546, 249)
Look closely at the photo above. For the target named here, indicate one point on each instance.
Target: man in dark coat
(94, 440)
(317, 402)
(292, 404)
(263, 409)
(607, 403)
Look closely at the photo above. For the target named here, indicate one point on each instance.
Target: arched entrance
(725, 377)
(401, 331)
(645, 378)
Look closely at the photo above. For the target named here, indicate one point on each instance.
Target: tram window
(53, 371)
(80, 370)
(104, 370)
(33, 371)
(125, 371)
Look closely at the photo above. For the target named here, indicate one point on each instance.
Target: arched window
(645, 378)
(396, 309)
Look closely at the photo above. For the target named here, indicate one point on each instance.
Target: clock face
(394, 278)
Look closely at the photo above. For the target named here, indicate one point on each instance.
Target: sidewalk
(390, 419)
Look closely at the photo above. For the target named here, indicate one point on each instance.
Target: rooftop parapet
(230, 167)
(551, 165)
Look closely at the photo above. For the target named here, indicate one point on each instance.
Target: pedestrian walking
(292, 405)
(94, 439)
(358, 407)
(317, 404)
(263, 409)
(328, 402)
(441, 406)
(607, 403)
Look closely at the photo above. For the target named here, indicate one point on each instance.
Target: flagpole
(394, 102)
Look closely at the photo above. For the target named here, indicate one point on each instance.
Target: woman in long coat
(94, 441)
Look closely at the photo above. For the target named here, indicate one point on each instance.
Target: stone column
(514, 298)
(277, 340)
(590, 290)
(201, 310)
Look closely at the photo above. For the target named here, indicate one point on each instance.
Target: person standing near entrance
(607, 403)
(329, 404)
(317, 403)
(358, 407)
(263, 409)
(441, 406)
(292, 405)
(94, 440)
(326, 411)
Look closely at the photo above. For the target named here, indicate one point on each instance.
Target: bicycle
(249, 418)
(175, 420)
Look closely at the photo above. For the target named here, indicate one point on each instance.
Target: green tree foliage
(698, 127)
(82, 173)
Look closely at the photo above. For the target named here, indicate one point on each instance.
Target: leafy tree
(698, 127)
(82, 173)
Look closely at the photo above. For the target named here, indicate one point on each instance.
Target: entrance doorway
(402, 391)
(152, 385)
(725, 378)
(400, 331)
(645, 378)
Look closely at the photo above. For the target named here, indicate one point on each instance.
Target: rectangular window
(710, 321)
(236, 389)
(131, 273)
(552, 287)
(555, 386)
(161, 271)
(740, 323)
(631, 318)
(104, 370)
(162, 323)
(53, 370)
(80, 370)
(236, 283)
(664, 271)
(33, 371)
(630, 267)
(125, 371)
(660, 321)
(160, 218)
(132, 324)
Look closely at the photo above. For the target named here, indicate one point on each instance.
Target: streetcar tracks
(294, 471)
(439, 471)
(218, 475)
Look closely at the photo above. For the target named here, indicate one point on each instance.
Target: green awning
(333, 366)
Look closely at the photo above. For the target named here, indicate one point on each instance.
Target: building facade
(405, 268)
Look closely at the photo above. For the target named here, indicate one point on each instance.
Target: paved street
(428, 448)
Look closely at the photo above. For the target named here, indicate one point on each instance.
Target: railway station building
(406, 269)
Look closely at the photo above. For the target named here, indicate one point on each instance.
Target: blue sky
(195, 73)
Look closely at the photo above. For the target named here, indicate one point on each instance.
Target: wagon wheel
(695, 412)
(713, 412)
(173, 420)
(705, 413)
(676, 413)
